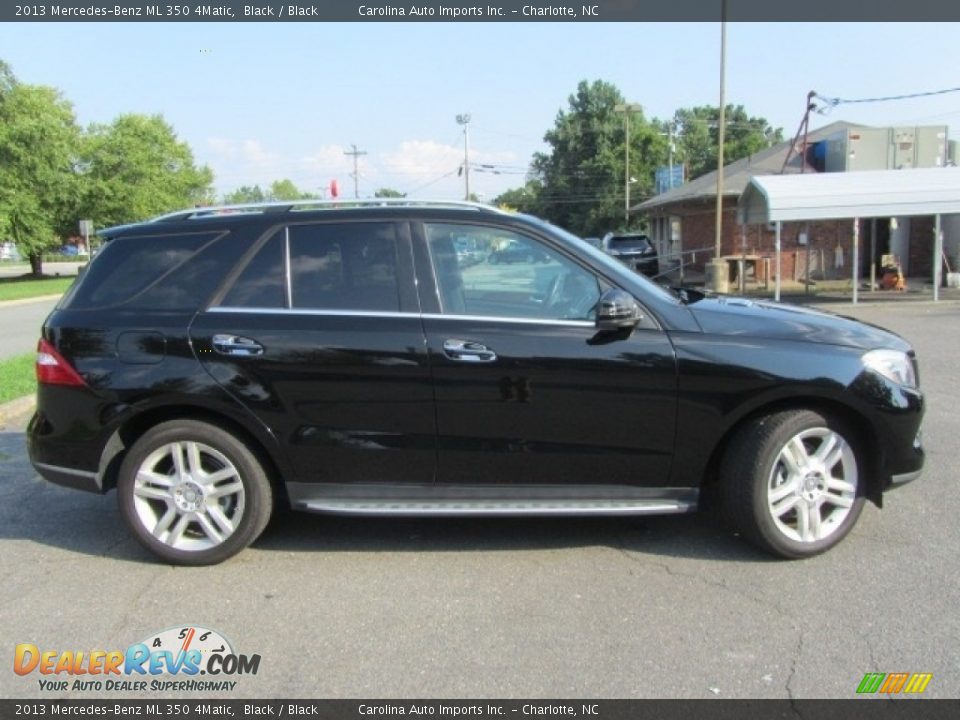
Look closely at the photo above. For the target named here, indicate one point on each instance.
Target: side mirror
(617, 310)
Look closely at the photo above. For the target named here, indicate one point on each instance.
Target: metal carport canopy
(865, 194)
(868, 194)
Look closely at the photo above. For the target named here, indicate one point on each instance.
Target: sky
(261, 102)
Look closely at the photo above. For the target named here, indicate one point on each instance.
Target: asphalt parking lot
(481, 608)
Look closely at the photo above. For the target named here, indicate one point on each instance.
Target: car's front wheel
(193, 493)
(792, 482)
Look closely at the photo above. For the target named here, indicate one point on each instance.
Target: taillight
(52, 369)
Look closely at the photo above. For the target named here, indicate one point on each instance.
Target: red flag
(334, 189)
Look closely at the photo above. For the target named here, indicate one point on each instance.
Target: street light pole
(464, 119)
(626, 109)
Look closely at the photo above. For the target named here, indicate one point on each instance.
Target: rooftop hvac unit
(887, 148)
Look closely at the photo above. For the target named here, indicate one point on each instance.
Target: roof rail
(284, 206)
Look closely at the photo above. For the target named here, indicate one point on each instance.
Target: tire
(792, 483)
(164, 489)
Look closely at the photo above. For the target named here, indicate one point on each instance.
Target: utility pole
(717, 276)
(670, 140)
(464, 119)
(356, 172)
(626, 110)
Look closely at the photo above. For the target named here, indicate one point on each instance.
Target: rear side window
(151, 271)
(349, 266)
(331, 266)
(260, 284)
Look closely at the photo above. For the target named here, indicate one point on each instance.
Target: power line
(833, 102)
(432, 182)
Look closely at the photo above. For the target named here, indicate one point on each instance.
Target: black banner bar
(873, 708)
(479, 11)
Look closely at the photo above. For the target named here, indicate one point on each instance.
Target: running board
(380, 498)
(494, 508)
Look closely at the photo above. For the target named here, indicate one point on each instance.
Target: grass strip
(17, 377)
(19, 289)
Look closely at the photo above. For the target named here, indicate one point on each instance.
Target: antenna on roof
(805, 129)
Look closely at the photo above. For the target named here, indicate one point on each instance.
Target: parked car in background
(212, 367)
(8, 251)
(514, 252)
(634, 250)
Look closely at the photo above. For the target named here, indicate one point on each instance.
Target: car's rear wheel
(792, 482)
(193, 493)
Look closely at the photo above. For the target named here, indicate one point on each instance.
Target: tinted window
(521, 277)
(261, 283)
(128, 267)
(348, 266)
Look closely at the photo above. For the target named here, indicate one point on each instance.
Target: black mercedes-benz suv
(214, 364)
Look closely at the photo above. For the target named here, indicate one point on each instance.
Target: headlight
(893, 365)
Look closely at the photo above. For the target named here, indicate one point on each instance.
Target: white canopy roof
(873, 193)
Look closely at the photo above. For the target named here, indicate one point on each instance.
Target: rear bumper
(70, 477)
(65, 457)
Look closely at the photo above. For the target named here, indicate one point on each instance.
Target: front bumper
(898, 480)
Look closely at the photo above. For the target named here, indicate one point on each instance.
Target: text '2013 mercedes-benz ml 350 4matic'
(214, 364)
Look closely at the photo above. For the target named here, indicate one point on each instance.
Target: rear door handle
(468, 351)
(236, 345)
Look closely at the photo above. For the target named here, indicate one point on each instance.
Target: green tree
(286, 190)
(389, 193)
(38, 150)
(524, 199)
(245, 194)
(582, 175)
(7, 79)
(279, 191)
(136, 167)
(697, 136)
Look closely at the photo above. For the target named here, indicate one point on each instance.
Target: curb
(16, 410)
(27, 301)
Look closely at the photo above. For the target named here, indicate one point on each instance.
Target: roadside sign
(668, 177)
(86, 228)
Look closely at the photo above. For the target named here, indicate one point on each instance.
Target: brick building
(683, 219)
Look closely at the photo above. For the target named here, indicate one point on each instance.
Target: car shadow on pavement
(696, 535)
(35, 510)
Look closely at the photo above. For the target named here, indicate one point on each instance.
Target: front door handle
(468, 351)
(236, 345)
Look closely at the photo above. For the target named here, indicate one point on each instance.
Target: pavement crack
(710, 582)
(788, 686)
(135, 601)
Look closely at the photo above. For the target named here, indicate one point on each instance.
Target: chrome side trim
(287, 283)
(302, 311)
(519, 321)
(66, 470)
(392, 314)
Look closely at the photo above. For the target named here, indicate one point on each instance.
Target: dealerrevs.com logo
(174, 660)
